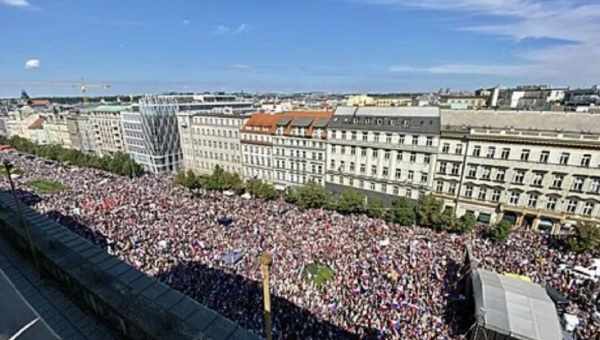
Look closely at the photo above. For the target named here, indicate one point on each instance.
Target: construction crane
(85, 87)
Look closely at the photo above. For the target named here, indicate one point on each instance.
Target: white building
(256, 137)
(104, 123)
(383, 151)
(535, 168)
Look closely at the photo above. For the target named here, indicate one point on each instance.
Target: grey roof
(321, 123)
(284, 121)
(523, 120)
(302, 121)
(514, 307)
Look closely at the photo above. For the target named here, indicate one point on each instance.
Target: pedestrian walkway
(60, 313)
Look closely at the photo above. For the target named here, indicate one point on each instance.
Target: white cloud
(242, 67)
(15, 3)
(32, 64)
(574, 21)
(223, 29)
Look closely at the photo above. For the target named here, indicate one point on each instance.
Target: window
(500, 175)
(408, 193)
(352, 151)
(482, 194)
(343, 150)
(452, 188)
(538, 179)
(363, 152)
(376, 137)
(398, 173)
(588, 208)
(396, 190)
(401, 139)
(342, 166)
(544, 156)
(514, 197)
(595, 187)
(519, 176)
(505, 153)
(365, 136)
(363, 168)
(585, 160)
(476, 151)
(429, 141)
(424, 178)
(426, 158)
(374, 153)
(491, 152)
(372, 185)
(496, 195)
(572, 206)
(446, 148)
(388, 138)
(455, 169)
(383, 187)
(398, 155)
(333, 148)
(469, 191)
(487, 172)
(439, 186)
(532, 201)
(385, 172)
(525, 155)
(387, 154)
(443, 166)
(411, 175)
(558, 181)
(458, 149)
(415, 140)
(373, 170)
(343, 134)
(472, 173)
(578, 183)
(332, 164)
(413, 157)
(551, 203)
(353, 135)
(564, 158)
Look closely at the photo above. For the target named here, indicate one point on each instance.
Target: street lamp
(266, 261)
(8, 166)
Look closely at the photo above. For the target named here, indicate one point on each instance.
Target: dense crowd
(390, 281)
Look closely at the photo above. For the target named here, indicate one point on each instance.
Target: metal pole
(266, 260)
(8, 166)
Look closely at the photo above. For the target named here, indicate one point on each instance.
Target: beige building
(299, 148)
(256, 138)
(28, 124)
(211, 139)
(57, 130)
(104, 124)
(538, 169)
(384, 152)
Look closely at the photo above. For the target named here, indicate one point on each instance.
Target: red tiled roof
(40, 102)
(37, 124)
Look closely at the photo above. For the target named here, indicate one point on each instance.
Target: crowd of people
(390, 281)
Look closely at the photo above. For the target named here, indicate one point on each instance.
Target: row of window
(257, 149)
(299, 179)
(298, 142)
(217, 121)
(256, 138)
(216, 132)
(298, 166)
(257, 160)
(210, 166)
(374, 186)
(374, 171)
(217, 156)
(299, 154)
(217, 144)
(377, 137)
(413, 157)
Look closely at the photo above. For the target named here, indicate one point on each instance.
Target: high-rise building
(151, 135)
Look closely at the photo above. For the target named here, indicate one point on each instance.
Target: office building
(104, 123)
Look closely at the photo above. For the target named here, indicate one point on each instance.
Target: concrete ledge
(134, 304)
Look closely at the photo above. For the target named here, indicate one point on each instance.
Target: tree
(261, 189)
(403, 212)
(448, 220)
(585, 238)
(375, 208)
(500, 232)
(350, 202)
(465, 223)
(429, 212)
(312, 195)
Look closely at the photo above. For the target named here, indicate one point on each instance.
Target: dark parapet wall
(134, 304)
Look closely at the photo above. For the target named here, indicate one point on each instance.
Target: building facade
(57, 130)
(104, 123)
(383, 152)
(299, 148)
(151, 134)
(256, 138)
(537, 169)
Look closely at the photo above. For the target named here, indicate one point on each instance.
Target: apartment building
(537, 169)
(57, 130)
(209, 129)
(299, 148)
(256, 138)
(83, 137)
(151, 134)
(104, 123)
(384, 152)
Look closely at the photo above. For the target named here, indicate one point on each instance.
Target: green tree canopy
(350, 202)
(429, 212)
(376, 208)
(500, 232)
(403, 212)
(312, 195)
(585, 238)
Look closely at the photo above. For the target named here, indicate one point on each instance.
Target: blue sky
(325, 45)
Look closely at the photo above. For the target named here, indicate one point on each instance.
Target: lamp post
(266, 260)
(8, 167)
